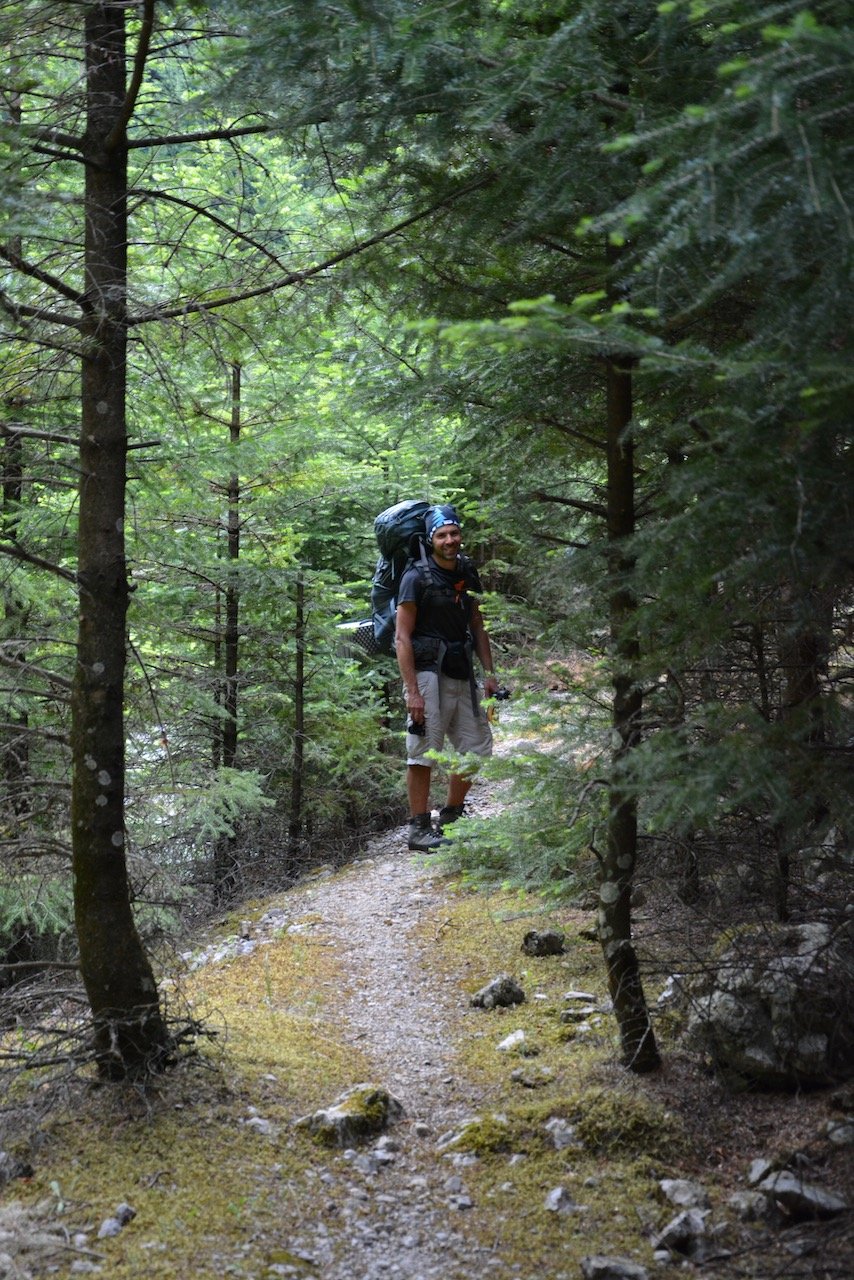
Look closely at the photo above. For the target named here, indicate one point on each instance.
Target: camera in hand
(418, 727)
(501, 694)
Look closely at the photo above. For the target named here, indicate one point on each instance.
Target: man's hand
(415, 706)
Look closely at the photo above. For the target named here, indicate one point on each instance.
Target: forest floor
(365, 973)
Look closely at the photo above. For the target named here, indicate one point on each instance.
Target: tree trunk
(298, 762)
(130, 1034)
(639, 1049)
(226, 869)
(14, 748)
(805, 642)
(14, 744)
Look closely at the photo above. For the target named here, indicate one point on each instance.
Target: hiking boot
(422, 837)
(449, 813)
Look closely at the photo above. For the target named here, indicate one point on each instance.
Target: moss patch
(209, 1159)
(223, 1184)
(477, 936)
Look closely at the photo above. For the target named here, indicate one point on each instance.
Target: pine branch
(44, 277)
(118, 130)
(8, 726)
(18, 553)
(546, 419)
(617, 104)
(202, 212)
(578, 504)
(572, 432)
(553, 540)
(21, 311)
(300, 277)
(69, 140)
(28, 668)
(548, 243)
(14, 431)
(205, 135)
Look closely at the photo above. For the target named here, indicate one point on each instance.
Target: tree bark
(14, 748)
(298, 760)
(14, 741)
(130, 1034)
(226, 869)
(804, 645)
(639, 1049)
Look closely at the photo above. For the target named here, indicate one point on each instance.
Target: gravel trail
(411, 1217)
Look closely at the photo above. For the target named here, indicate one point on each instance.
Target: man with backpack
(438, 630)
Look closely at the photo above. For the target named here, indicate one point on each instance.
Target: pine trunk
(130, 1034)
(639, 1049)
(226, 867)
(298, 761)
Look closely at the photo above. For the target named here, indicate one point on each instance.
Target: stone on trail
(562, 1133)
(532, 1077)
(801, 1200)
(514, 1043)
(685, 1194)
(600, 1267)
(360, 1113)
(753, 1206)
(559, 1200)
(502, 991)
(112, 1226)
(683, 1234)
(544, 942)
(771, 1013)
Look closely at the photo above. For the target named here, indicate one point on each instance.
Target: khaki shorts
(448, 713)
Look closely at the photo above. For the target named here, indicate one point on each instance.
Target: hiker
(438, 628)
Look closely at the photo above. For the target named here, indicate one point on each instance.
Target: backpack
(400, 535)
(399, 532)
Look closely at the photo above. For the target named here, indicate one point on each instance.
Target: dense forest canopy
(583, 267)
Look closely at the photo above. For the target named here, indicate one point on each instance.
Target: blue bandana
(438, 516)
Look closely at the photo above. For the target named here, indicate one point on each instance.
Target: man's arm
(404, 627)
(483, 649)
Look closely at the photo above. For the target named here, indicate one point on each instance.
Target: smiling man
(439, 628)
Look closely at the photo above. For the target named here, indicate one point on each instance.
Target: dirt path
(410, 1217)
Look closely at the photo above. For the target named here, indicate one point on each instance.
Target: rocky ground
(403, 1215)
(409, 1210)
(406, 1218)
(404, 1204)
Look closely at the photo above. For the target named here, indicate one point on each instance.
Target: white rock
(801, 1199)
(559, 1200)
(562, 1133)
(514, 1041)
(688, 1195)
(601, 1267)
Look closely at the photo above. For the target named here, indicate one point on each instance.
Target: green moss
(486, 1135)
(362, 1112)
(518, 1166)
(201, 1179)
(368, 1105)
(477, 936)
(611, 1122)
(216, 1196)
